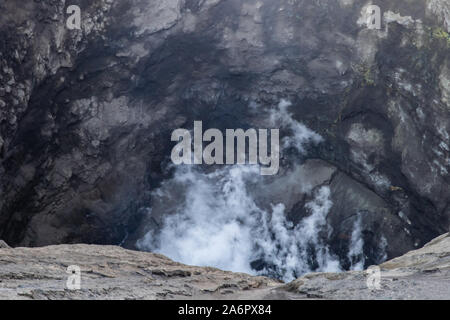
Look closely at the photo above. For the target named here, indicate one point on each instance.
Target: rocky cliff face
(86, 115)
(109, 272)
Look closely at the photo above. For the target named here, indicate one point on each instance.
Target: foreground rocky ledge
(110, 272)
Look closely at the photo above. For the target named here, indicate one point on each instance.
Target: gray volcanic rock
(3, 244)
(420, 274)
(86, 115)
(109, 272)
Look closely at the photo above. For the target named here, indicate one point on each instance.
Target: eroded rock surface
(419, 274)
(109, 272)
